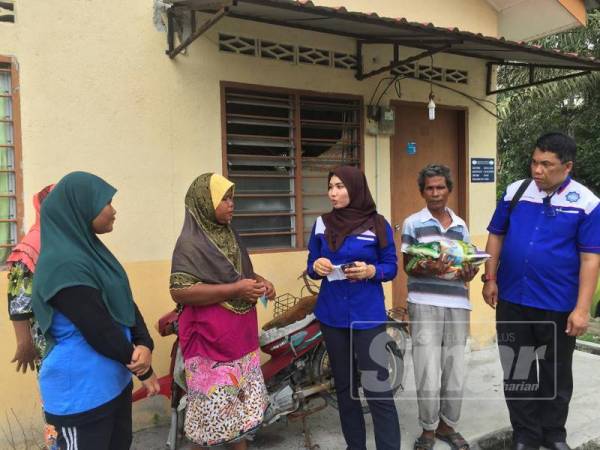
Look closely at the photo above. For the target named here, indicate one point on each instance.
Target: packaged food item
(459, 252)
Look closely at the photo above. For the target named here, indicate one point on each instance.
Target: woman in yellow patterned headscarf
(213, 279)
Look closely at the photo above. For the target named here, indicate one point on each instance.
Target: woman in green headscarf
(212, 277)
(96, 335)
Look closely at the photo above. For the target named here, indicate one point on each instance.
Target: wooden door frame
(461, 179)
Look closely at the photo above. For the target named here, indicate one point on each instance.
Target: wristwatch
(488, 277)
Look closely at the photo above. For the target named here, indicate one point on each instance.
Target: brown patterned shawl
(207, 251)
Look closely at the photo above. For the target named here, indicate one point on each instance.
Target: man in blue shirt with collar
(544, 244)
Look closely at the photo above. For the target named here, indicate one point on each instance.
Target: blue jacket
(346, 304)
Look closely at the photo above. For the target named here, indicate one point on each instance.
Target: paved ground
(484, 411)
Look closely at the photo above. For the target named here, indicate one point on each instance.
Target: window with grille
(280, 146)
(9, 157)
(7, 11)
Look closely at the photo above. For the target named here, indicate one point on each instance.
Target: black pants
(537, 358)
(109, 432)
(367, 348)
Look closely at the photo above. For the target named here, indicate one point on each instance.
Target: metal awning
(369, 29)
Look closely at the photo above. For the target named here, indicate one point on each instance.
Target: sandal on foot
(455, 440)
(423, 443)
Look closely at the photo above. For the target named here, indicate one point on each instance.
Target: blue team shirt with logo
(347, 304)
(543, 239)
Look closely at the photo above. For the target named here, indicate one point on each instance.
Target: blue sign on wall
(411, 148)
(483, 170)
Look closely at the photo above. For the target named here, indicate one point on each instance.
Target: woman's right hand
(323, 267)
(249, 289)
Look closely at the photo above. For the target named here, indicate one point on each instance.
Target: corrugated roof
(372, 27)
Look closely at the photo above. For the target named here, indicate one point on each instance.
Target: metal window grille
(7, 11)
(8, 164)
(280, 146)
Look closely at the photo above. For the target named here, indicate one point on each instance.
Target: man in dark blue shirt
(544, 244)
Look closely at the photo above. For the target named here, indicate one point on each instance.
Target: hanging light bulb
(431, 106)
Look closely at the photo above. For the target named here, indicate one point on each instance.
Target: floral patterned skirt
(225, 400)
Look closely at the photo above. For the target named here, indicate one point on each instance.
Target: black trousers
(365, 348)
(109, 432)
(537, 358)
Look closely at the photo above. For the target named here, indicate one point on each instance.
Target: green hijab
(73, 255)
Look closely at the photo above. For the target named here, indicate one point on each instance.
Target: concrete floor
(484, 411)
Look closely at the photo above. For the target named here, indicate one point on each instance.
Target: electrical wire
(377, 88)
(396, 81)
(476, 100)
(392, 80)
(398, 88)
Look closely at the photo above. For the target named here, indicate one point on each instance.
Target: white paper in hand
(336, 274)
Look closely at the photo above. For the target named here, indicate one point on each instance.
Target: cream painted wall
(98, 94)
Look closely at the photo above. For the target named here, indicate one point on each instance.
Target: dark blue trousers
(366, 349)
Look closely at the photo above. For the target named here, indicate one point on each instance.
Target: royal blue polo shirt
(539, 262)
(352, 304)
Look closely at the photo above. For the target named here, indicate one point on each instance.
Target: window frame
(298, 196)
(17, 147)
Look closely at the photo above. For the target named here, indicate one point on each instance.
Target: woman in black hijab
(351, 249)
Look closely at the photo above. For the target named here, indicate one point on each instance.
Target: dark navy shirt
(539, 262)
(346, 304)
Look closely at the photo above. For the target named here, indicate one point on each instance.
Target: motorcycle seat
(274, 334)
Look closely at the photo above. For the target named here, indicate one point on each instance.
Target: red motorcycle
(297, 374)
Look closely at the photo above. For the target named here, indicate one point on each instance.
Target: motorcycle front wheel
(321, 373)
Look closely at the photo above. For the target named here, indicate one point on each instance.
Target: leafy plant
(571, 106)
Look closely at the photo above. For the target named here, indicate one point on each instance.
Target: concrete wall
(98, 94)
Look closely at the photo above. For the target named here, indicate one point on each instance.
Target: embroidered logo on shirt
(573, 196)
